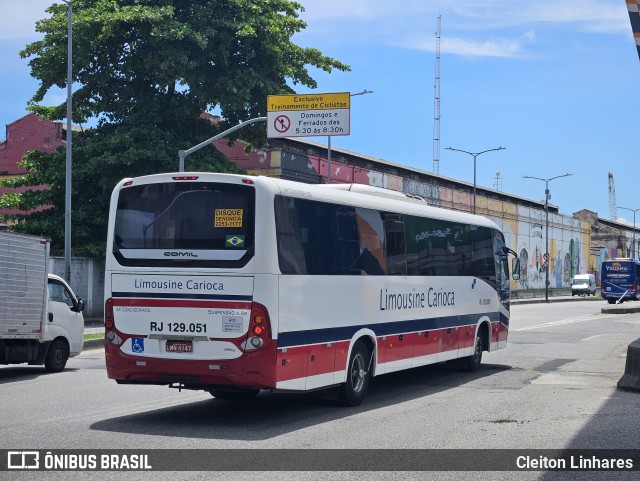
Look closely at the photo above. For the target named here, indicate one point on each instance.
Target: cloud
(486, 48)
(460, 17)
(495, 47)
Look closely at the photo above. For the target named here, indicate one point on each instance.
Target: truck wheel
(57, 356)
(353, 391)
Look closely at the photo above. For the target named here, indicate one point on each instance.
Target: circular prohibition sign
(282, 123)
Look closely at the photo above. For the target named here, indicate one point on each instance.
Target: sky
(555, 82)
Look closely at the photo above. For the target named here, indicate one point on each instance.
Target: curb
(93, 344)
(619, 309)
(630, 381)
(538, 300)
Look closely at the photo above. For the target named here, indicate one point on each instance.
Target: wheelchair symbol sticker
(137, 344)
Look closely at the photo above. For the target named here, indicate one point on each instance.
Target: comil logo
(179, 254)
(23, 460)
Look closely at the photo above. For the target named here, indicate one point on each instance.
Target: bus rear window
(193, 221)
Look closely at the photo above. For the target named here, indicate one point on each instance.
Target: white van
(583, 284)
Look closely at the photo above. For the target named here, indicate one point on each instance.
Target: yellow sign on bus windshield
(228, 218)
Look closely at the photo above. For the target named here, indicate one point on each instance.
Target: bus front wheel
(353, 391)
(472, 363)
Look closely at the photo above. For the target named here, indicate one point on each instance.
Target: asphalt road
(554, 387)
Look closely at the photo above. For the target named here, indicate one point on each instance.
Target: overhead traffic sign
(308, 115)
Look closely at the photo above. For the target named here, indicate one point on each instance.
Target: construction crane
(613, 208)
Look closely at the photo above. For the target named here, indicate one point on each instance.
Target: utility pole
(547, 256)
(633, 246)
(474, 154)
(364, 92)
(67, 193)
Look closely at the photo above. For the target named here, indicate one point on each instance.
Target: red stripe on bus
(180, 303)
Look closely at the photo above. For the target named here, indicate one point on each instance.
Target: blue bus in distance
(619, 280)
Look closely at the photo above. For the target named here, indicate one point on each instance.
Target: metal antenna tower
(613, 206)
(436, 105)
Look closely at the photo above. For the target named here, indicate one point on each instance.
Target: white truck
(40, 317)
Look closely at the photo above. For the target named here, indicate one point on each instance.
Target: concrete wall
(87, 281)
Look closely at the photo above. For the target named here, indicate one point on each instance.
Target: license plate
(179, 346)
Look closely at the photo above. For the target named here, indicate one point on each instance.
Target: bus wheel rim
(358, 373)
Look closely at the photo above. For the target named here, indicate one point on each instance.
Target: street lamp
(364, 92)
(182, 154)
(633, 251)
(547, 196)
(474, 154)
(67, 194)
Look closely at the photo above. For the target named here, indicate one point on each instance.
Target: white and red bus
(233, 284)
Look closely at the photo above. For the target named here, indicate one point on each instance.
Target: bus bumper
(255, 369)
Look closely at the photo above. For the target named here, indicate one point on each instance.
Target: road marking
(562, 322)
(591, 337)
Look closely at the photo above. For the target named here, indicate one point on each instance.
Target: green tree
(146, 70)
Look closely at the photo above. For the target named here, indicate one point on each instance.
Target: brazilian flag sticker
(234, 241)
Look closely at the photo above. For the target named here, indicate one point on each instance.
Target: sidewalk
(626, 307)
(538, 300)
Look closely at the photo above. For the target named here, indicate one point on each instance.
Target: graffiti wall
(568, 244)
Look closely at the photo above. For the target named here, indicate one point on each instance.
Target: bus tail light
(109, 323)
(259, 329)
(108, 314)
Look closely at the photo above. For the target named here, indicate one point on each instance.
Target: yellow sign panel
(228, 218)
(290, 103)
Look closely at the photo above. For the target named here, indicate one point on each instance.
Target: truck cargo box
(23, 285)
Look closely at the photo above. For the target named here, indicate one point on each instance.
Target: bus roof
(357, 195)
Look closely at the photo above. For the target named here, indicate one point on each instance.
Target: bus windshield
(186, 220)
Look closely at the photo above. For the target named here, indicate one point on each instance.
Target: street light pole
(474, 154)
(364, 92)
(633, 251)
(547, 196)
(67, 196)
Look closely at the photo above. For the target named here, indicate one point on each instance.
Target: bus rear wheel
(353, 391)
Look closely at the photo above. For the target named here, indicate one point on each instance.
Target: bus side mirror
(515, 269)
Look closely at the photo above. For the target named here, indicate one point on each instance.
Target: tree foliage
(146, 70)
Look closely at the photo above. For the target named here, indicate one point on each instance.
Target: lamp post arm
(475, 154)
(545, 180)
(183, 153)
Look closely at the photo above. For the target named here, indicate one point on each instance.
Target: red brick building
(27, 133)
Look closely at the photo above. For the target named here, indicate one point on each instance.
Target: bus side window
(394, 242)
(372, 258)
